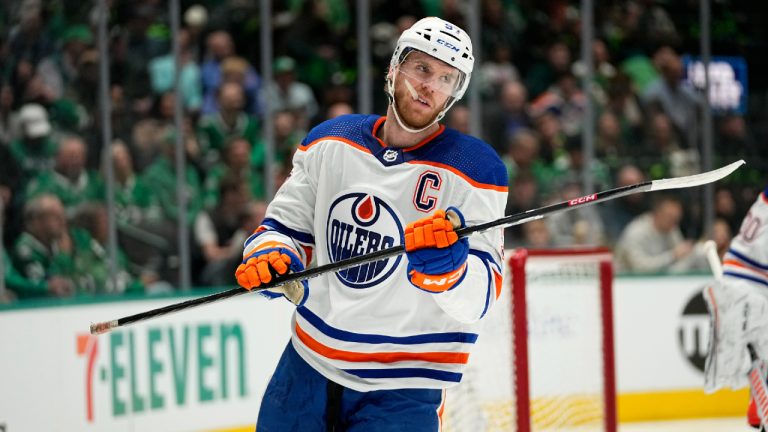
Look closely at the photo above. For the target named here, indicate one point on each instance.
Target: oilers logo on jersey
(360, 223)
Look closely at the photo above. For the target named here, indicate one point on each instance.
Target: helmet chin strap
(414, 95)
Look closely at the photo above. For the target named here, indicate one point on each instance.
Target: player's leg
(295, 398)
(393, 410)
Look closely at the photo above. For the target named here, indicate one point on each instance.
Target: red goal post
(545, 356)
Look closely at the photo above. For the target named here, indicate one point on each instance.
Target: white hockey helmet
(443, 41)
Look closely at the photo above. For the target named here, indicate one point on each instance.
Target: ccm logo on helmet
(448, 44)
(582, 200)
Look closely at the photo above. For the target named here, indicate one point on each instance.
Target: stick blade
(696, 179)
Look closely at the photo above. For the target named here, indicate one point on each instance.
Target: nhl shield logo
(390, 155)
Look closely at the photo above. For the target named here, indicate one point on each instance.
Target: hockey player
(739, 305)
(375, 346)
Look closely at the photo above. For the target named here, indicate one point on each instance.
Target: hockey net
(560, 377)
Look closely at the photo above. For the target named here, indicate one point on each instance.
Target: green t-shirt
(162, 176)
(213, 135)
(87, 266)
(92, 270)
(133, 200)
(33, 160)
(16, 282)
(88, 187)
(37, 263)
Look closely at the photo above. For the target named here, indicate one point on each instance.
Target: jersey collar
(380, 121)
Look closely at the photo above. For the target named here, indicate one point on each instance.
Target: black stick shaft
(506, 221)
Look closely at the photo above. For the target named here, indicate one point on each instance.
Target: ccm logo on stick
(582, 200)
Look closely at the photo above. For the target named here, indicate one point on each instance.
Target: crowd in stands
(52, 165)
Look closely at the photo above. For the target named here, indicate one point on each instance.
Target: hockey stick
(758, 387)
(710, 249)
(507, 221)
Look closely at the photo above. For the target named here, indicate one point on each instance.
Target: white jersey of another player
(738, 305)
(747, 258)
(367, 327)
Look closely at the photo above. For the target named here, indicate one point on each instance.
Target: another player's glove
(267, 262)
(437, 258)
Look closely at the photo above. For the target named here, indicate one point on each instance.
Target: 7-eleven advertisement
(201, 369)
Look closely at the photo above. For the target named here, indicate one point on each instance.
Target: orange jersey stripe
(497, 279)
(440, 411)
(740, 264)
(435, 164)
(271, 244)
(307, 253)
(335, 138)
(381, 357)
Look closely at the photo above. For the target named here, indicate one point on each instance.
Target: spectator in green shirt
(92, 260)
(35, 150)
(70, 181)
(161, 175)
(14, 281)
(231, 121)
(44, 252)
(236, 162)
(132, 195)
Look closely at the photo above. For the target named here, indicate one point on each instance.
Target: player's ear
(388, 79)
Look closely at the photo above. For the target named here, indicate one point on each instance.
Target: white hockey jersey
(747, 258)
(349, 194)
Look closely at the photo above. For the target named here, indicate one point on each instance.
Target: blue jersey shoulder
(473, 157)
(348, 126)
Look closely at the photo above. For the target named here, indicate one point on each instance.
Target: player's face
(423, 85)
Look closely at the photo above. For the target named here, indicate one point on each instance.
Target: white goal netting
(559, 378)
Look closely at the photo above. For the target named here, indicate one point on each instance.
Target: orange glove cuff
(437, 283)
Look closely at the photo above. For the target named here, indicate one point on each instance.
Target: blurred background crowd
(52, 165)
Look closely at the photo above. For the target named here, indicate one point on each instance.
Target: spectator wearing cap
(35, 150)
(61, 69)
(195, 20)
(287, 94)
